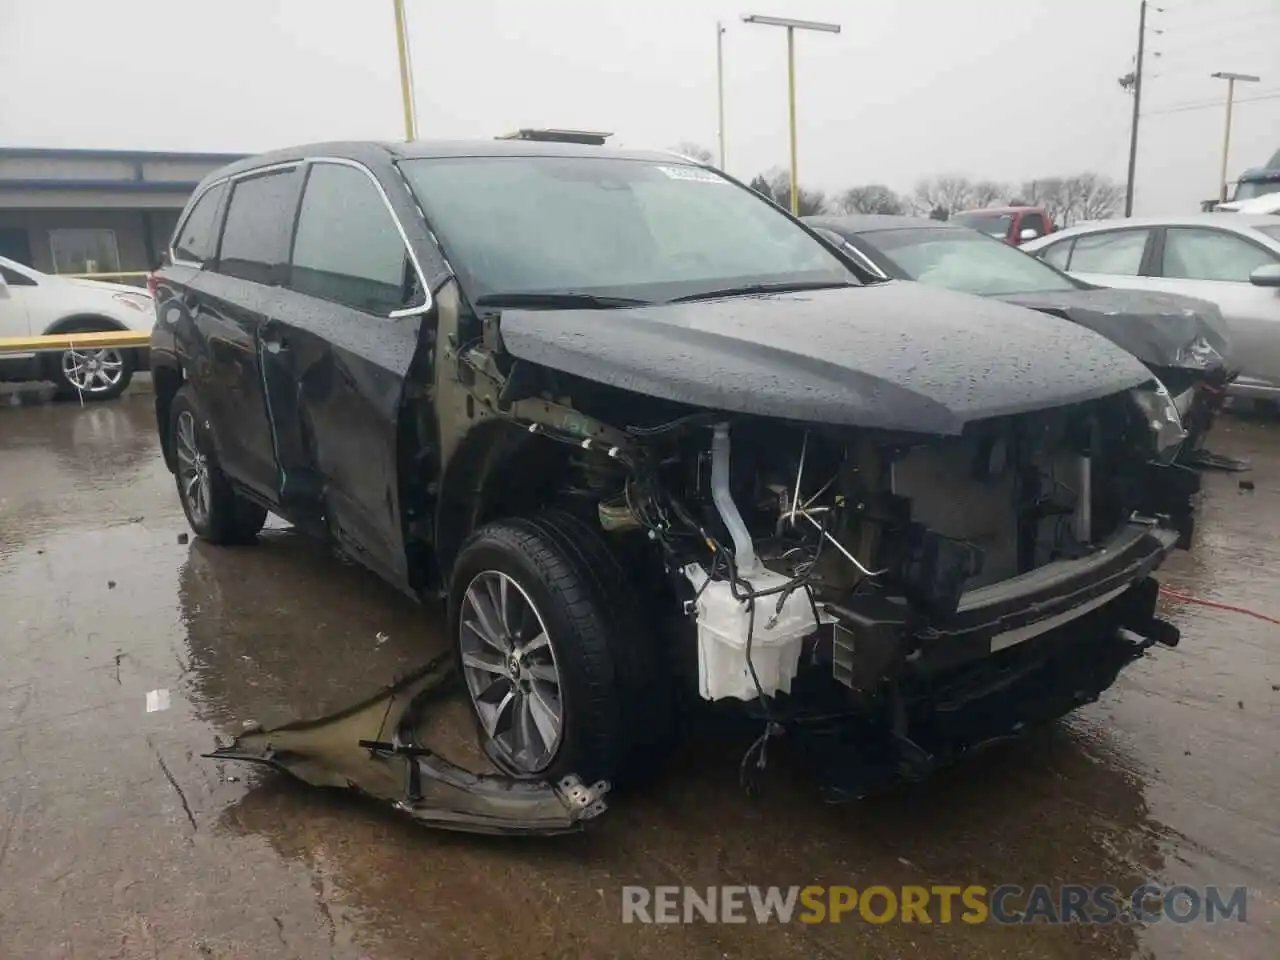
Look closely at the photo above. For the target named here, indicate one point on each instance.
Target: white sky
(1000, 89)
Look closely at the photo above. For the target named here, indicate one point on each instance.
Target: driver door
(336, 354)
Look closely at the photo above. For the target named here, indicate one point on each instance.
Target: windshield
(968, 262)
(992, 224)
(1249, 189)
(607, 226)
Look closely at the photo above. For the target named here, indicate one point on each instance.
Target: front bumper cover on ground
(375, 748)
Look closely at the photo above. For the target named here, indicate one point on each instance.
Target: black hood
(893, 355)
(1154, 327)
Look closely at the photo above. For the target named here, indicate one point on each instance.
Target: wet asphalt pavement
(117, 839)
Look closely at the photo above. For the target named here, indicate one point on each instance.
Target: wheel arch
(74, 320)
(497, 470)
(167, 378)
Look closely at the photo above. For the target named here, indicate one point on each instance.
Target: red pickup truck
(1013, 225)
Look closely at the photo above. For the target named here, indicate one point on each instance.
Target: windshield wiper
(785, 286)
(562, 300)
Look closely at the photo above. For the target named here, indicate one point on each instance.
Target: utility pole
(1137, 104)
(720, 87)
(406, 75)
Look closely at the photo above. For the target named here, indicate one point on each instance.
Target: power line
(1210, 104)
(1265, 11)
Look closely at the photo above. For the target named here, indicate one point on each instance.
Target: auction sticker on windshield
(692, 173)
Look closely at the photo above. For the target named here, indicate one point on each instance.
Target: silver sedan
(1230, 259)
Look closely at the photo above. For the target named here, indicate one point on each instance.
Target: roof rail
(592, 137)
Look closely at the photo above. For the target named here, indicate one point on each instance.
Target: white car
(1230, 260)
(34, 303)
(1267, 203)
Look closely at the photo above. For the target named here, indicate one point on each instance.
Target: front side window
(84, 250)
(1114, 252)
(1192, 254)
(255, 234)
(1057, 254)
(347, 248)
(965, 261)
(610, 226)
(1272, 232)
(197, 238)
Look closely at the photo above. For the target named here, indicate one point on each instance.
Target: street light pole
(406, 82)
(720, 87)
(792, 26)
(1231, 79)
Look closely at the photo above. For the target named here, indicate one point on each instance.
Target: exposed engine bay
(801, 544)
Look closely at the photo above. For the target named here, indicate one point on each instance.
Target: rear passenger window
(255, 236)
(1115, 252)
(198, 238)
(347, 248)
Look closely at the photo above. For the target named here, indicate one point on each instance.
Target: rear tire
(214, 510)
(613, 700)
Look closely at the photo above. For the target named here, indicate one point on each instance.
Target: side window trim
(428, 301)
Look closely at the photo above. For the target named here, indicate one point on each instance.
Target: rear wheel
(92, 374)
(559, 665)
(214, 510)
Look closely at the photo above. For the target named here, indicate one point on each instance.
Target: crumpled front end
(937, 592)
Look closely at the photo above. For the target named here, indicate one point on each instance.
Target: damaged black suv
(646, 434)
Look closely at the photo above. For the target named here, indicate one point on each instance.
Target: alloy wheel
(93, 371)
(510, 670)
(193, 469)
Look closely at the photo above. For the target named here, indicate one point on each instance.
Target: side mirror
(1028, 233)
(1266, 276)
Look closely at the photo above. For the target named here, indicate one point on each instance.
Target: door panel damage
(378, 748)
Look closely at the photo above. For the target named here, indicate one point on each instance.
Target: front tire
(214, 510)
(560, 667)
(92, 374)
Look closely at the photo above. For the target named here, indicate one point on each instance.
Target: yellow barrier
(58, 342)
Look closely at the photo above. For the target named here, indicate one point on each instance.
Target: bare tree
(694, 151)
(988, 193)
(948, 193)
(776, 185)
(1097, 196)
(873, 198)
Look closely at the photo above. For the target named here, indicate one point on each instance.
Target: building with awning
(94, 211)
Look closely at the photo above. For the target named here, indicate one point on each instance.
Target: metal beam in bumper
(375, 748)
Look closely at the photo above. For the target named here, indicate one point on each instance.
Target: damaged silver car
(651, 439)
